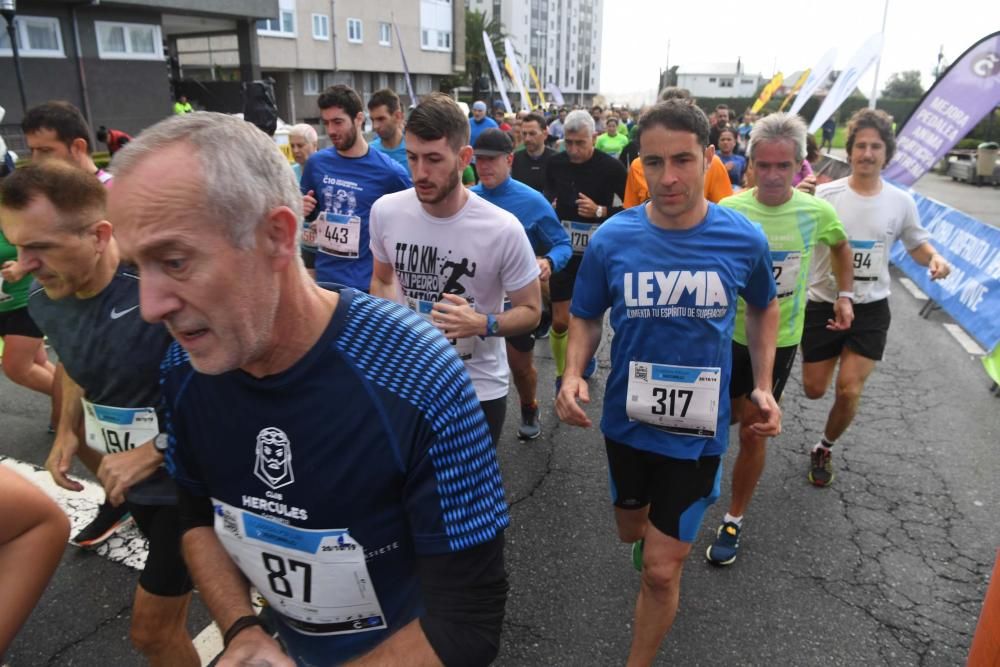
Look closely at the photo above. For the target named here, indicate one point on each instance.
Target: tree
(903, 86)
(476, 62)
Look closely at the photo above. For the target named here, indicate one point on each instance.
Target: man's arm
(383, 280)
(762, 336)
(67, 441)
(843, 271)
(584, 337)
(925, 255)
(119, 472)
(457, 319)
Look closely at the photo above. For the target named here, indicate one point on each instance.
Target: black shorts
(677, 491)
(741, 378)
(867, 335)
(523, 343)
(165, 573)
(495, 411)
(561, 283)
(309, 257)
(19, 323)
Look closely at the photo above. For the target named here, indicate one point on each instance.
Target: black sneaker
(108, 520)
(821, 467)
(529, 428)
(727, 544)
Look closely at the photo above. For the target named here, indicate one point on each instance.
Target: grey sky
(788, 35)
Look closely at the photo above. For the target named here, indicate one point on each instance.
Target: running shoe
(558, 384)
(726, 546)
(108, 520)
(821, 468)
(541, 332)
(590, 369)
(637, 555)
(529, 428)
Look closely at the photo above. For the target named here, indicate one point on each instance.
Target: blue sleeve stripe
(416, 363)
(175, 362)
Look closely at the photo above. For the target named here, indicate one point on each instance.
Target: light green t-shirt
(793, 230)
(612, 145)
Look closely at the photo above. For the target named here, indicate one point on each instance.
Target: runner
(613, 140)
(320, 432)
(586, 187)
(88, 306)
(795, 224)
(530, 164)
(670, 272)
(387, 121)
(58, 131)
(548, 240)
(348, 178)
(451, 257)
(875, 215)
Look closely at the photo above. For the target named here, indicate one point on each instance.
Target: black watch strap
(238, 626)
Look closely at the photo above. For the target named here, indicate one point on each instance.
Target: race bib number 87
(678, 399)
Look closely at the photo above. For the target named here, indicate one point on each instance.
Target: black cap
(492, 141)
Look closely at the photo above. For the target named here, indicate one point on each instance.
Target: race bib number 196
(678, 399)
(316, 579)
(111, 430)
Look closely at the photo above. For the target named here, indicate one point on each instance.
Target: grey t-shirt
(114, 355)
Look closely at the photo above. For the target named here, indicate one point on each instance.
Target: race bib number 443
(316, 579)
(678, 399)
(338, 235)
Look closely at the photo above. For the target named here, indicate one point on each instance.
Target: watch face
(160, 442)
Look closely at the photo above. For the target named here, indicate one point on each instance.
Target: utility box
(986, 159)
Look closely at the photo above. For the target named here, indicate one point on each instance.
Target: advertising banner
(495, 68)
(765, 95)
(817, 77)
(869, 53)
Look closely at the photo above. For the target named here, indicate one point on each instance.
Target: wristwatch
(846, 295)
(160, 443)
(600, 212)
(492, 326)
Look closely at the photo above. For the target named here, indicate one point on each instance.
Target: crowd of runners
(297, 380)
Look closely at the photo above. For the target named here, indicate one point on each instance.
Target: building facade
(312, 44)
(561, 39)
(718, 80)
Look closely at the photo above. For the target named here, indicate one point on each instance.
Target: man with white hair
(795, 224)
(359, 412)
(586, 187)
(304, 141)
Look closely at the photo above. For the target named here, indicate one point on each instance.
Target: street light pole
(8, 9)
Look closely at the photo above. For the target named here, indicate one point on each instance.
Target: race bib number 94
(678, 399)
(316, 579)
(867, 257)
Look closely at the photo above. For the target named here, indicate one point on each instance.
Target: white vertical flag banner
(518, 75)
(556, 94)
(817, 76)
(848, 80)
(495, 67)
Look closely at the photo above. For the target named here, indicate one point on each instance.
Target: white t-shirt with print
(481, 253)
(873, 224)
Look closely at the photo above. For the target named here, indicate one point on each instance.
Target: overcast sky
(788, 35)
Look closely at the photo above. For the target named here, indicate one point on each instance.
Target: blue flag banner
(971, 293)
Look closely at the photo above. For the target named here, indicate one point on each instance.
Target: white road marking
(966, 341)
(208, 643)
(912, 288)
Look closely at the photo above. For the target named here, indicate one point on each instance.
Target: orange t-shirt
(717, 183)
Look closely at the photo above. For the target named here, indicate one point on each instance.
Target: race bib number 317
(678, 399)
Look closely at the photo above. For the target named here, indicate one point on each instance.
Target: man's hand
(254, 648)
(119, 472)
(938, 267)
(544, 268)
(308, 203)
(573, 392)
(12, 271)
(807, 184)
(769, 413)
(585, 206)
(456, 318)
(61, 458)
(843, 313)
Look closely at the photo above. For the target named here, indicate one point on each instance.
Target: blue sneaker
(726, 546)
(590, 369)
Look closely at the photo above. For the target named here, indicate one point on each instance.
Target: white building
(718, 80)
(561, 39)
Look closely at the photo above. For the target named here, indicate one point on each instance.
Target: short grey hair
(579, 120)
(777, 127)
(244, 173)
(306, 131)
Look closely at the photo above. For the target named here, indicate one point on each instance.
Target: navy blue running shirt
(371, 449)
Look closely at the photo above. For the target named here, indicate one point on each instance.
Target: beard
(442, 193)
(347, 143)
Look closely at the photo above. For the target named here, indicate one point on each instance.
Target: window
(747, 81)
(712, 79)
(37, 36)
(385, 34)
(321, 26)
(282, 25)
(128, 41)
(435, 40)
(725, 83)
(436, 25)
(354, 31)
(310, 83)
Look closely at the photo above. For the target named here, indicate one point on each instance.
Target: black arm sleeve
(465, 593)
(193, 511)
(619, 177)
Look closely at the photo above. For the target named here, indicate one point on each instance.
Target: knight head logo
(274, 458)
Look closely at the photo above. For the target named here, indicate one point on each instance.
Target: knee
(813, 389)
(150, 638)
(15, 367)
(849, 390)
(662, 576)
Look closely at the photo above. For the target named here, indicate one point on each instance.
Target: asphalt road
(889, 566)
